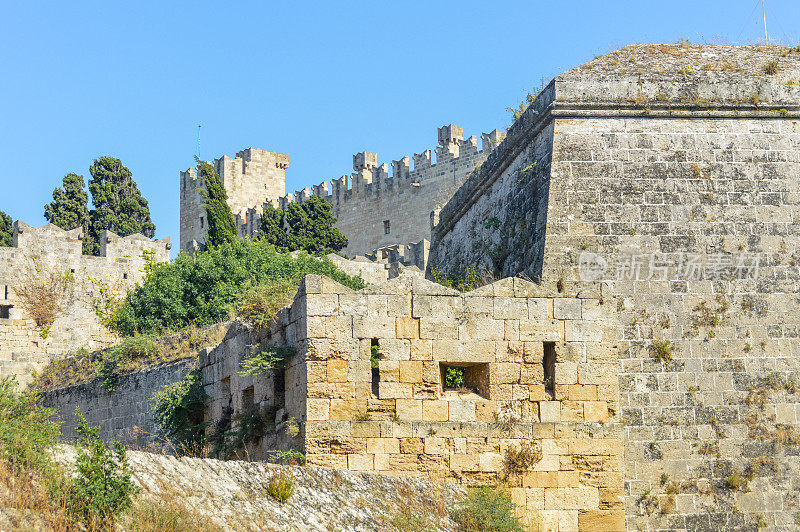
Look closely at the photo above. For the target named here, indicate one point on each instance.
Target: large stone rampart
(668, 174)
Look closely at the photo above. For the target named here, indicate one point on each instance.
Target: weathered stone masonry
(374, 209)
(540, 375)
(675, 152)
(36, 252)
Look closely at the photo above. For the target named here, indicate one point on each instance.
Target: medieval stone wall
(251, 177)
(374, 209)
(540, 378)
(125, 414)
(673, 192)
(38, 253)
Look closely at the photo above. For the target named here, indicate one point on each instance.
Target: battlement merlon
(134, 246)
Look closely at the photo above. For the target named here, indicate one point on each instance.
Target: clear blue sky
(319, 81)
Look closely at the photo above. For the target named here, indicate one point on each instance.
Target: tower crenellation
(376, 205)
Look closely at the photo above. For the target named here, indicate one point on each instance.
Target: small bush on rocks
(487, 509)
(102, 489)
(281, 485)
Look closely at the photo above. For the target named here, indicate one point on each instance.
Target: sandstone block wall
(672, 169)
(540, 374)
(251, 177)
(40, 251)
(374, 209)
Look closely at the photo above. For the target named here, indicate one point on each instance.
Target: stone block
(577, 498)
(510, 308)
(567, 309)
(411, 446)
(421, 349)
(374, 327)
(389, 370)
(410, 371)
(566, 373)
(409, 409)
(538, 309)
(317, 409)
(504, 373)
(407, 327)
(550, 411)
(394, 349)
(572, 411)
(438, 328)
(457, 351)
(582, 331)
(595, 411)
(490, 461)
(395, 390)
(347, 409)
(541, 330)
(601, 520)
(360, 462)
(464, 462)
(337, 371)
(484, 410)
(435, 410)
(462, 410)
(540, 479)
(436, 445)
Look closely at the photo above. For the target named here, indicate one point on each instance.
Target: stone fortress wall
(37, 253)
(668, 174)
(374, 209)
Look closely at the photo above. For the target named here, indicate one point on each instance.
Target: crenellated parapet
(376, 205)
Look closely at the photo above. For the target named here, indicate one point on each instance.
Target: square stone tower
(250, 178)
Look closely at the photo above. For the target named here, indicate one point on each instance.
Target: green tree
(68, 209)
(307, 226)
(221, 226)
(6, 231)
(118, 204)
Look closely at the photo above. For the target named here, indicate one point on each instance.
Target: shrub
(109, 362)
(286, 457)
(662, 350)
(518, 461)
(102, 489)
(259, 304)
(281, 485)
(266, 358)
(46, 296)
(205, 288)
(26, 432)
(454, 377)
(486, 509)
(178, 412)
(772, 68)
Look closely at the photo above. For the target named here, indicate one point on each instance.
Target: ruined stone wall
(540, 377)
(124, 415)
(39, 252)
(674, 196)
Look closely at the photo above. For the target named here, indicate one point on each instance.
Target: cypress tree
(6, 231)
(118, 204)
(68, 209)
(310, 227)
(221, 226)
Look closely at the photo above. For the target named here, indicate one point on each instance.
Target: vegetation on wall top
(304, 226)
(205, 288)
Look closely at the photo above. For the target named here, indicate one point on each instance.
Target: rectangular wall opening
(5, 311)
(549, 366)
(248, 400)
(465, 378)
(374, 359)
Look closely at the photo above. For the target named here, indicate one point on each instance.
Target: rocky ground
(235, 495)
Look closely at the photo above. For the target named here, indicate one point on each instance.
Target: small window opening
(549, 366)
(465, 378)
(202, 223)
(386, 227)
(5, 311)
(124, 275)
(72, 270)
(248, 400)
(433, 217)
(6, 291)
(374, 359)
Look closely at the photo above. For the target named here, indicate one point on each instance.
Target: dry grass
(138, 353)
(27, 504)
(46, 296)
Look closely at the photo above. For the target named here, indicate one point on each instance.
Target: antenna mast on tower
(764, 12)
